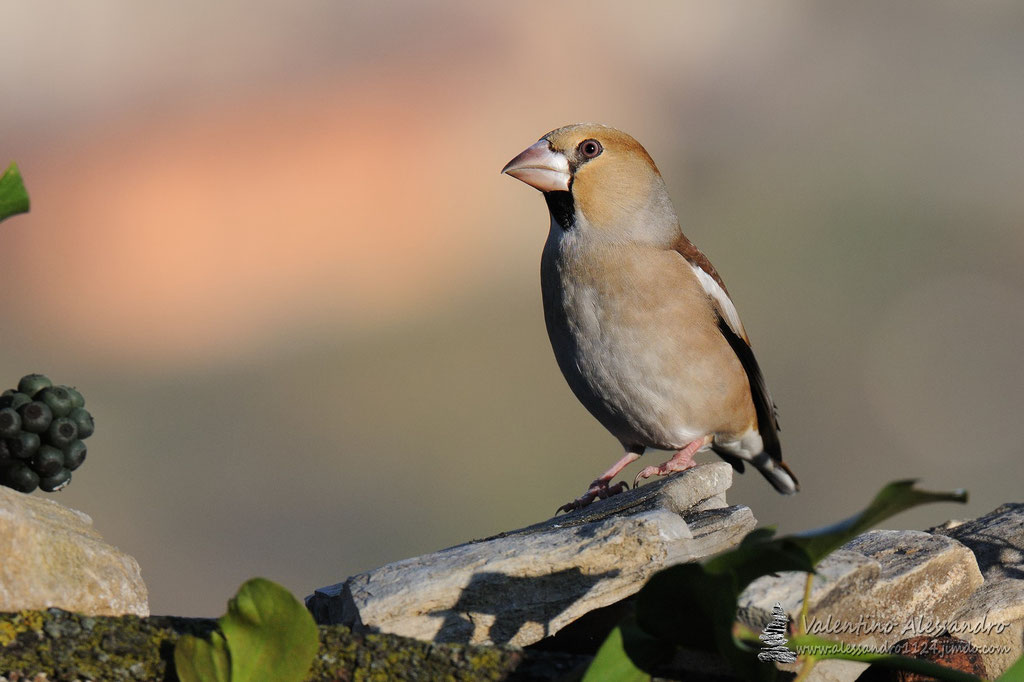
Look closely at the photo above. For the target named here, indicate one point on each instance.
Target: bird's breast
(634, 335)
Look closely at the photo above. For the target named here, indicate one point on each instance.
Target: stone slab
(51, 556)
(521, 586)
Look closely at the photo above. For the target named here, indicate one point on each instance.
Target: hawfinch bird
(641, 323)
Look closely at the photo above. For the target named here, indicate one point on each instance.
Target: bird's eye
(590, 148)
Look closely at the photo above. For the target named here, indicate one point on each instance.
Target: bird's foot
(599, 489)
(681, 461)
(661, 470)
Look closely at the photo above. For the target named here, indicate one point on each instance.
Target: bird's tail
(777, 473)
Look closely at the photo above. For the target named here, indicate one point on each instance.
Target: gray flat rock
(993, 617)
(841, 573)
(924, 579)
(881, 587)
(997, 540)
(964, 577)
(520, 586)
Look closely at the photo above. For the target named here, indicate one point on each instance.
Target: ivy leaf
(200, 660)
(270, 634)
(760, 556)
(689, 605)
(891, 500)
(613, 663)
(13, 197)
(681, 605)
(266, 634)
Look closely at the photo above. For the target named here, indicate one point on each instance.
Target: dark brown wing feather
(767, 417)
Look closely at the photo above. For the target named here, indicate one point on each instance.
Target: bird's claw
(599, 489)
(647, 472)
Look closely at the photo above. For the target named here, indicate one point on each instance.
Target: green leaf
(1015, 673)
(270, 634)
(759, 557)
(200, 660)
(13, 197)
(613, 664)
(762, 534)
(681, 605)
(691, 606)
(892, 499)
(828, 649)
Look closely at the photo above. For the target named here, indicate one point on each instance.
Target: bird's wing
(732, 329)
(767, 416)
(713, 285)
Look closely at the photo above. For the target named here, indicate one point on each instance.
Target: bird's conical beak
(540, 167)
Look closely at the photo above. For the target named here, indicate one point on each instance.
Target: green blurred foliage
(13, 196)
(266, 634)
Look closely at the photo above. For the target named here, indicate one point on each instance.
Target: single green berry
(77, 400)
(47, 461)
(57, 399)
(24, 445)
(35, 416)
(84, 421)
(20, 477)
(52, 484)
(14, 400)
(30, 384)
(8, 392)
(74, 455)
(62, 432)
(10, 423)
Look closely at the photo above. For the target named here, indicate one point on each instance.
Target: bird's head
(600, 179)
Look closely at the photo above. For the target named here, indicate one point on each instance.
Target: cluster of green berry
(41, 431)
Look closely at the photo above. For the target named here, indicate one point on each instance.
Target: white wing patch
(725, 304)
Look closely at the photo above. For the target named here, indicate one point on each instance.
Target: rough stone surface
(895, 570)
(994, 615)
(964, 577)
(521, 586)
(997, 540)
(869, 591)
(51, 556)
(66, 647)
(881, 587)
(836, 671)
(840, 574)
(924, 578)
(993, 621)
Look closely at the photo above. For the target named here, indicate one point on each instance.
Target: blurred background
(271, 244)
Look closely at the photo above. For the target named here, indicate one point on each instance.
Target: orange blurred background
(271, 245)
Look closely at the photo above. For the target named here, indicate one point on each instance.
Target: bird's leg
(681, 461)
(600, 488)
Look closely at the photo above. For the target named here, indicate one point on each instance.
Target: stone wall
(461, 613)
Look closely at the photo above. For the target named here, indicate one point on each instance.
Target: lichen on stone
(7, 633)
(69, 647)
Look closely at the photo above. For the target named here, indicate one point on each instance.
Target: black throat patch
(562, 208)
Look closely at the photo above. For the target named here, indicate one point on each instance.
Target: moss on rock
(68, 647)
